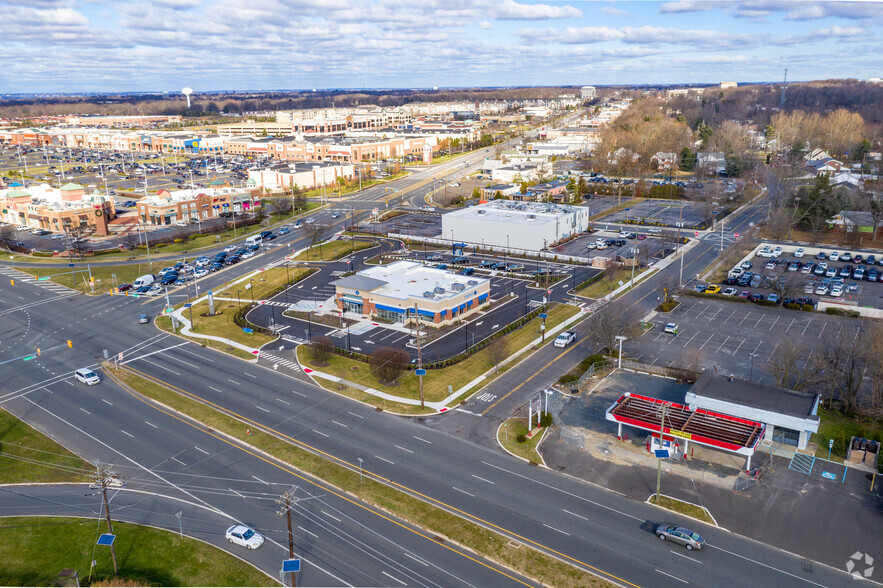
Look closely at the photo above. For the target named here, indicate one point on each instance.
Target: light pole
(751, 372)
(620, 338)
(360, 469)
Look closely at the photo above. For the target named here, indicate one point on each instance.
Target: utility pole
(659, 459)
(102, 479)
(419, 356)
(285, 501)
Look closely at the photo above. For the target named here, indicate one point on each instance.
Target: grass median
(684, 508)
(437, 381)
(333, 250)
(529, 562)
(28, 456)
(36, 549)
(508, 435)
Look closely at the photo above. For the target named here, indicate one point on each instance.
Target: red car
(745, 294)
(124, 287)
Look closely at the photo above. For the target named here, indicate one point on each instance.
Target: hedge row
(842, 312)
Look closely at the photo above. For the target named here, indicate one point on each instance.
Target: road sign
(736, 235)
(30, 357)
(420, 372)
(543, 315)
(696, 234)
(44, 278)
(106, 539)
(187, 305)
(70, 265)
(290, 565)
(247, 330)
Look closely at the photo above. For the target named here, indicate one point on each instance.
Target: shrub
(568, 378)
(807, 307)
(793, 306)
(178, 241)
(388, 363)
(591, 360)
(835, 311)
(546, 419)
(521, 438)
(668, 306)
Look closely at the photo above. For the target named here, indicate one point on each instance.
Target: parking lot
(666, 212)
(725, 335)
(424, 224)
(648, 246)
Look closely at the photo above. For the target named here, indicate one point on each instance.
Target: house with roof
(490, 192)
(827, 165)
(816, 154)
(711, 162)
(855, 220)
(662, 160)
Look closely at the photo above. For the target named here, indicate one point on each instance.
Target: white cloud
(614, 12)
(683, 6)
(485, 25)
(640, 35)
(511, 10)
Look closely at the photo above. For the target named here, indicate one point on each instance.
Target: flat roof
(407, 279)
(519, 213)
(761, 396)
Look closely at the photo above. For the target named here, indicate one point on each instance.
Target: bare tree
(778, 224)
(794, 365)
(667, 288)
(608, 322)
(7, 235)
(844, 355)
(788, 285)
(388, 363)
(278, 205)
(498, 350)
(320, 349)
(314, 233)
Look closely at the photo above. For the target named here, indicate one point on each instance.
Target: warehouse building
(528, 226)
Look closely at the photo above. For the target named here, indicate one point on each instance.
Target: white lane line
(765, 565)
(670, 576)
(298, 393)
(250, 375)
(202, 450)
(84, 410)
(306, 531)
(283, 401)
(194, 366)
(330, 516)
(261, 408)
(482, 479)
(415, 558)
(261, 481)
(685, 557)
(341, 424)
(127, 433)
(199, 356)
(393, 577)
(403, 448)
(419, 439)
(554, 529)
(234, 381)
(178, 460)
(215, 389)
(358, 416)
(151, 424)
(162, 367)
(384, 459)
(463, 491)
(321, 433)
(106, 402)
(574, 514)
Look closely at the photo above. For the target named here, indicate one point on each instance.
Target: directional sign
(106, 539)
(290, 565)
(44, 278)
(247, 330)
(420, 372)
(543, 315)
(70, 265)
(187, 305)
(30, 357)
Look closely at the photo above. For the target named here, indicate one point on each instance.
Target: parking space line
(758, 321)
(824, 324)
(808, 323)
(774, 322)
(722, 344)
(741, 341)
(710, 337)
(748, 314)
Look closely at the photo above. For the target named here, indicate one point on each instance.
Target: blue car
(442, 266)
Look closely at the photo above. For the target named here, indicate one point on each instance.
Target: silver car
(689, 539)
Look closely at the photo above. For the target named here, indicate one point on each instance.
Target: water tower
(187, 92)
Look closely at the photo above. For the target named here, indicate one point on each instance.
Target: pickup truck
(564, 339)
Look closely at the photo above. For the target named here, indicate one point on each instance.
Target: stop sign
(736, 235)
(696, 234)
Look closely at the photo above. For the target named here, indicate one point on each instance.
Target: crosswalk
(277, 362)
(274, 303)
(24, 278)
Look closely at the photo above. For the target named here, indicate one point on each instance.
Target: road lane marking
(463, 491)
(283, 401)
(358, 416)
(194, 366)
(321, 433)
(554, 529)
(340, 424)
(298, 393)
(403, 448)
(765, 565)
(250, 375)
(84, 410)
(482, 479)
(106, 402)
(162, 367)
(384, 459)
(234, 382)
(419, 439)
(232, 490)
(202, 450)
(415, 558)
(262, 408)
(215, 389)
(685, 557)
(670, 576)
(393, 577)
(306, 531)
(178, 460)
(129, 434)
(151, 424)
(330, 516)
(574, 514)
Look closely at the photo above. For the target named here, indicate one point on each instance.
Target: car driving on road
(681, 535)
(244, 536)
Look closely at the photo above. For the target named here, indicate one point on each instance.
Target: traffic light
(38, 351)
(70, 343)
(12, 282)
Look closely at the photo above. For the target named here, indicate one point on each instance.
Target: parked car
(671, 328)
(837, 290)
(467, 271)
(487, 263)
(729, 292)
(777, 251)
(712, 289)
(821, 288)
(833, 256)
(746, 265)
(774, 298)
(800, 252)
(755, 297)
(434, 257)
(681, 535)
(442, 266)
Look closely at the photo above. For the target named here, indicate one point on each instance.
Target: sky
(210, 45)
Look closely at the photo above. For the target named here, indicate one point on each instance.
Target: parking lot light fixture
(620, 338)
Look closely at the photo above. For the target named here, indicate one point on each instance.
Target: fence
(674, 372)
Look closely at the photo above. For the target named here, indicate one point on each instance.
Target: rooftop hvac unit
(471, 283)
(439, 290)
(482, 212)
(531, 217)
(458, 287)
(427, 294)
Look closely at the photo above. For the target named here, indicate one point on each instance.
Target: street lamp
(620, 338)
(751, 372)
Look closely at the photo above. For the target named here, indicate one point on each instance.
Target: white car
(729, 292)
(242, 535)
(230, 248)
(800, 252)
(671, 328)
(181, 223)
(765, 252)
(155, 290)
(427, 208)
(247, 255)
(837, 290)
(57, 237)
(833, 256)
(564, 339)
(200, 273)
(454, 185)
(777, 251)
(87, 376)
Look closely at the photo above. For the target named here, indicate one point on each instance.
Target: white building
(303, 175)
(527, 226)
(587, 92)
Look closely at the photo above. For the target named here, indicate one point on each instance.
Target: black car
(460, 260)
(169, 278)
(745, 279)
(467, 271)
(215, 266)
(487, 263)
(231, 260)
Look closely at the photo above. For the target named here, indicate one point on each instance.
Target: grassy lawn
(28, 456)
(531, 563)
(607, 284)
(436, 381)
(103, 275)
(675, 505)
(221, 324)
(840, 428)
(333, 250)
(508, 438)
(36, 549)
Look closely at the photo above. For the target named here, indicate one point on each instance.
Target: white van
(145, 280)
(254, 240)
